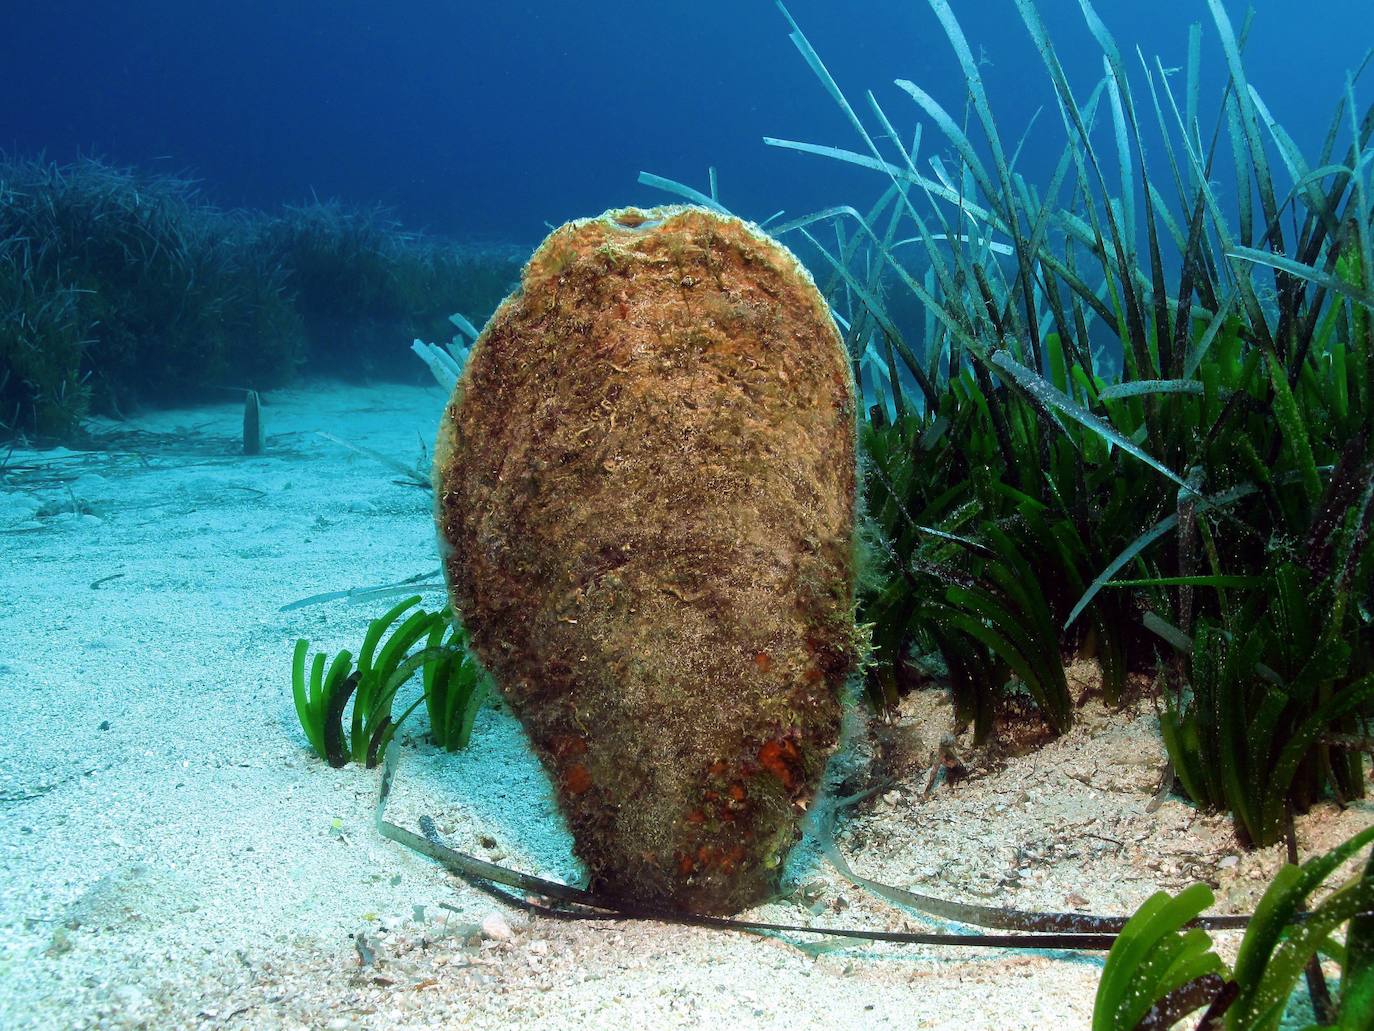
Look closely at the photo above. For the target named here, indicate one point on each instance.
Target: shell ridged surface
(645, 488)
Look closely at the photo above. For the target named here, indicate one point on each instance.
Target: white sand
(168, 849)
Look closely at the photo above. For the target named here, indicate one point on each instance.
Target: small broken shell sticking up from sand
(645, 491)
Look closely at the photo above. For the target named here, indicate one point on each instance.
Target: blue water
(490, 120)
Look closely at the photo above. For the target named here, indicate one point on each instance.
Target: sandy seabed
(172, 855)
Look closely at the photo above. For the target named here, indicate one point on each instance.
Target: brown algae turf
(645, 488)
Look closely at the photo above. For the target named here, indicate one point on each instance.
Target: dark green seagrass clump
(1162, 968)
(358, 278)
(454, 686)
(121, 287)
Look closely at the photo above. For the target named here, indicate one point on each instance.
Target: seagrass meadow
(947, 602)
(121, 287)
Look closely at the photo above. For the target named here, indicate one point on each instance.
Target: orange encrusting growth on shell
(645, 496)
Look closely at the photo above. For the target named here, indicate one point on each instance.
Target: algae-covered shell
(645, 487)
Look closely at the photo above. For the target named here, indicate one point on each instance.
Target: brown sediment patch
(645, 497)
